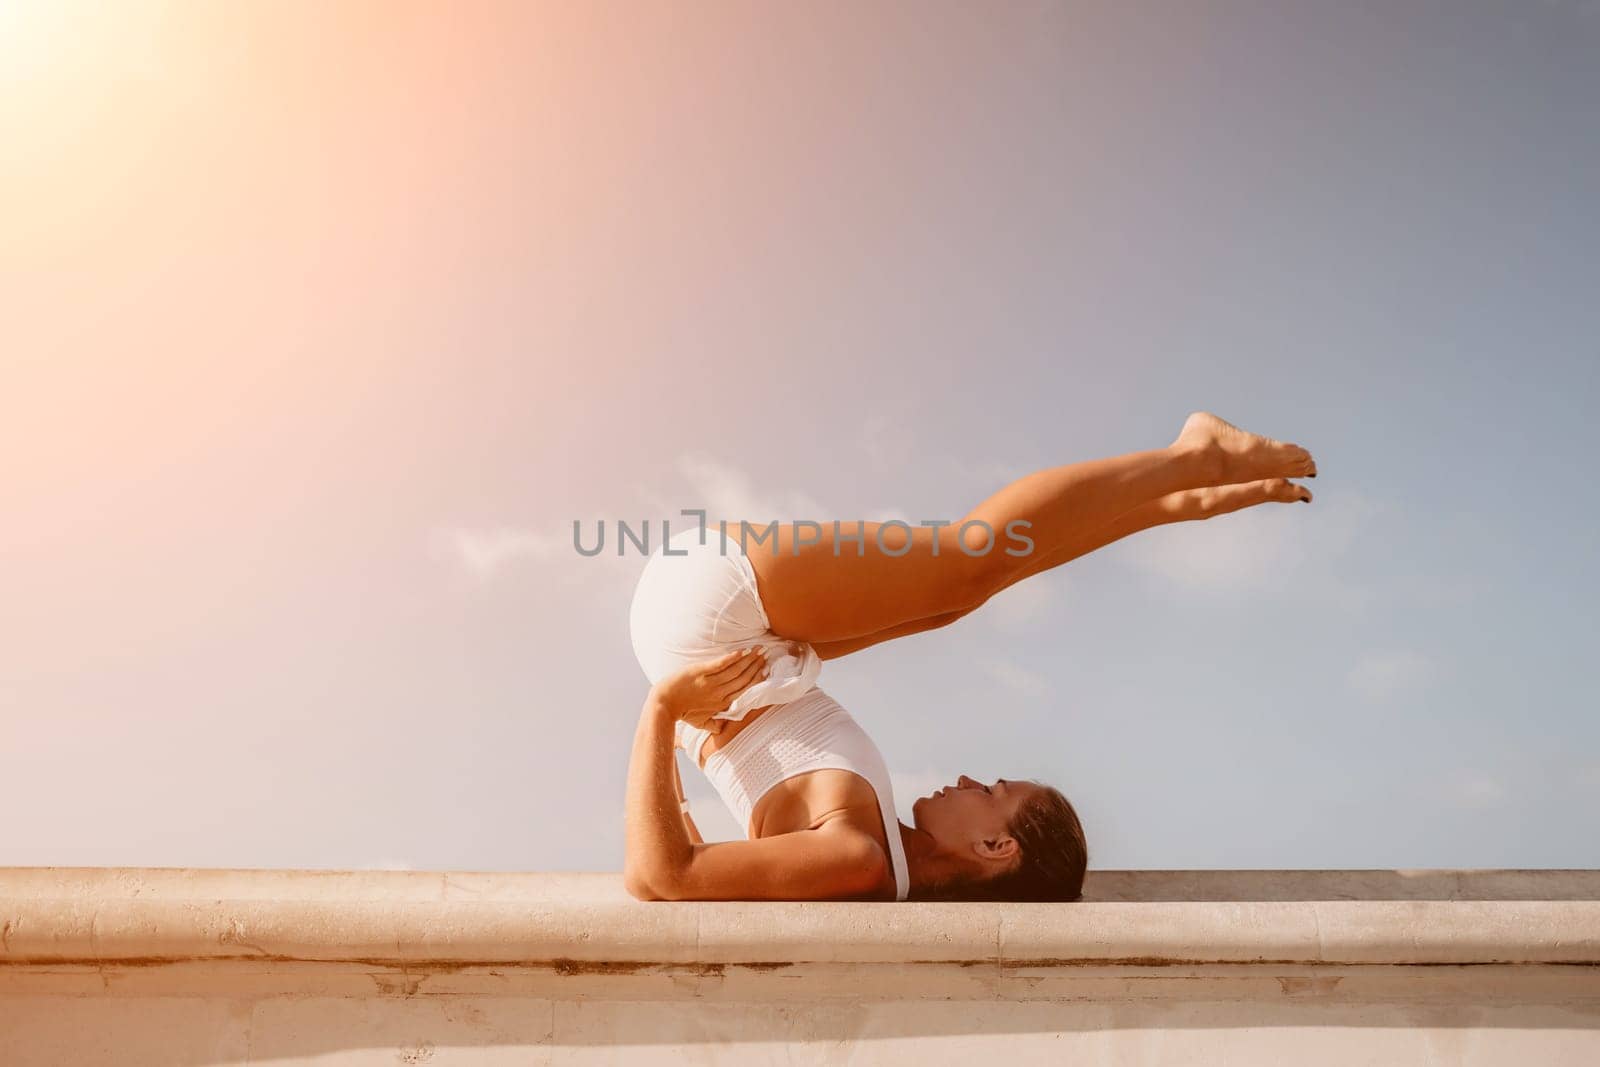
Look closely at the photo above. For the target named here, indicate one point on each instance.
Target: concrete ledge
(185, 966)
(145, 916)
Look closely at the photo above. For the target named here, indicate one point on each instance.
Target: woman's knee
(978, 578)
(938, 622)
(991, 562)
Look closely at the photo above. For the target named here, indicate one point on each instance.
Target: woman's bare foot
(1232, 455)
(1221, 499)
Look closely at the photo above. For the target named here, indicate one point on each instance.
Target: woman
(732, 635)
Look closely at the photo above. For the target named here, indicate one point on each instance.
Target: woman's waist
(808, 717)
(711, 744)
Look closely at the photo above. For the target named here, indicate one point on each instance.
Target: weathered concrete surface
(104, 965)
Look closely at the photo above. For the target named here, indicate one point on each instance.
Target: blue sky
(319, 352)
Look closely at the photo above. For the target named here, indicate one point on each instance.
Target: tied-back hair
(1053, 856)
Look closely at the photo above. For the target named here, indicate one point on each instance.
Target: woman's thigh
(825, 582)
(835, 649)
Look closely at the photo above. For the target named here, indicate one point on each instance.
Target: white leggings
(703, 604)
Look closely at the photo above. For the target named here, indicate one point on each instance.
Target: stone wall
(192, 966)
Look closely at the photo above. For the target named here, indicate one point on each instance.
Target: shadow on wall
(499, 1029)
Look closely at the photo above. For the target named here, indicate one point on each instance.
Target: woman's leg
(1185, 506)
(818, 591)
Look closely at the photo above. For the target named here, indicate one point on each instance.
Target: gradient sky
(321, 322)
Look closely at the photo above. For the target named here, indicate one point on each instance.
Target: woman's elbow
(651, 882)
(638, 885)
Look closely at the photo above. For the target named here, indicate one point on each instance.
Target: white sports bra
(810, 733)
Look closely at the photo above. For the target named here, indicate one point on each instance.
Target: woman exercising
(732, 634)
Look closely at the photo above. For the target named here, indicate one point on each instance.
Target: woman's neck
(927, 865)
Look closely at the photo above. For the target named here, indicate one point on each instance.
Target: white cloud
(885, 443)
(1023, 605)
(1269, 546)
(490, 553)
(988, 473)
(727, 492)
(483, 552)
(1017, 679)
(1477, 791)
(1380, 677)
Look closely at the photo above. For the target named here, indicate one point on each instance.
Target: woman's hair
(1052, 857)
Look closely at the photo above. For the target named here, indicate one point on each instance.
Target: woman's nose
(966, 783)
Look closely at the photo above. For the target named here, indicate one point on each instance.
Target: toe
(1281, 490)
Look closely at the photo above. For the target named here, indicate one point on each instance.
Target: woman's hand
(697, 692)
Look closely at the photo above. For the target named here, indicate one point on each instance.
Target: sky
(321, 323)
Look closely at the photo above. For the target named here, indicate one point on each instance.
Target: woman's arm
(657, 841)
(664, 863)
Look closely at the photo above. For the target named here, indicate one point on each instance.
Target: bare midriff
(729, 732)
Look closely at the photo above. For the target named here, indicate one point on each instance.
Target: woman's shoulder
(859, 849)
(850, 811)
(834, 797)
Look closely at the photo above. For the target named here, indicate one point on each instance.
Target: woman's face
(969, 816)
